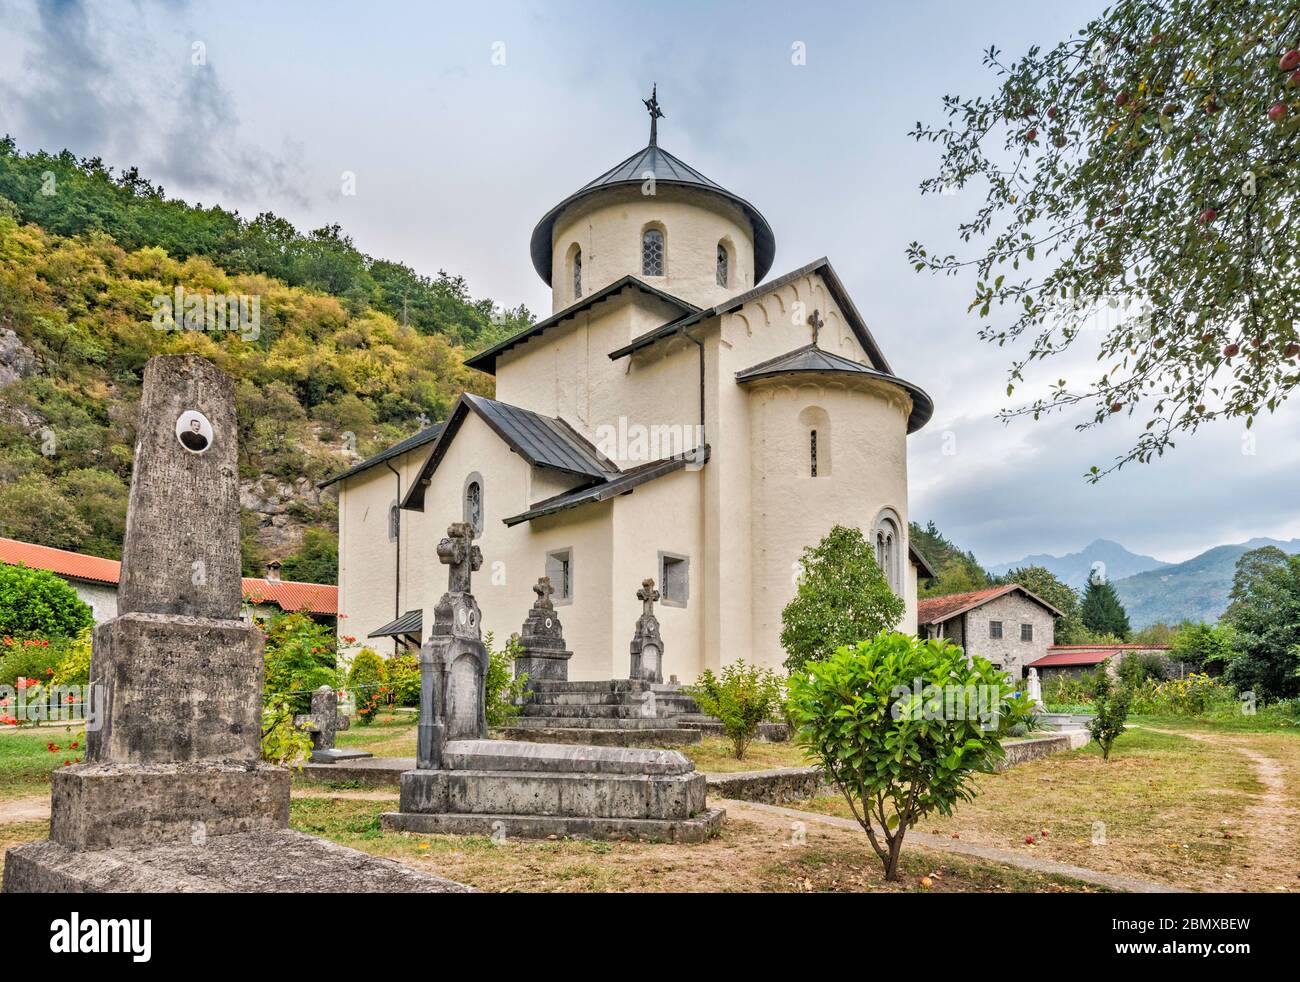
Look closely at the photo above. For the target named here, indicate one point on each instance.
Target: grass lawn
(26, 760)
(1262, 722)
(1176, 810)
(753, 853)
(390, 735)
(713, 755)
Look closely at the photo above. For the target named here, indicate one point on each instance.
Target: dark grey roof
(667, 170)
(540, 440)
(409, 623)
(486, 361)
(396, 450)
(811, 358)
(927, 570)
(833, 284)
(623, 483)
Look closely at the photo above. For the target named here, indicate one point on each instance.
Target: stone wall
(1009, 652)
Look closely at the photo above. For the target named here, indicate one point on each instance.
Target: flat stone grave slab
(281, 861)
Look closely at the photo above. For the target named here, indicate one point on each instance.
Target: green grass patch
(26, 761)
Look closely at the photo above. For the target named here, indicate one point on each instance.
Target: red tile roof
(1062, 655)
(316, 598)
(936, 610)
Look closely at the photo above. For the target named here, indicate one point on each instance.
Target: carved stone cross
(543, 589)
(324, 721)
(458, 552)
(652, 106)
(647, 595)
(816, 323)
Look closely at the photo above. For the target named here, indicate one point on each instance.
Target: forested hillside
(349, 355)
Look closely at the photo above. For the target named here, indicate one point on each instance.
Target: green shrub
(742, 697)
(503, 692)
(869, 715)
(1018, 715)
(404, 679)
(1068, 690)
(31, 658)
(300, 658)
(842, 598)
(74, 661)
(282, 742)
(1110, 704)
(34, 603)
(366, 680)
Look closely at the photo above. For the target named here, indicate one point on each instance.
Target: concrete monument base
(282, 861)
(544, 789)
(335, 754)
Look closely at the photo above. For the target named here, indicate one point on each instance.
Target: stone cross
(458, 552)
(647, 644)
(656, 114)
(816, 322)
(542, 654)
(324, 720)
(543, 589)
(647, 595)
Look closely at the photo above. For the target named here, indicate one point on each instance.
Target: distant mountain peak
(1073, 568)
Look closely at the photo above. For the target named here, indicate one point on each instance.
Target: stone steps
(698, 828)
(588, 722)
(672, 736)
(587, 711)
(607, 685)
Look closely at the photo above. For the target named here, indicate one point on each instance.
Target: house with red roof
(1008, 625)
(1080, 659)
(95, 581)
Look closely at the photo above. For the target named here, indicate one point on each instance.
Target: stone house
(678, 416)
(1075, 660)
(96, 581)
(1008, 625)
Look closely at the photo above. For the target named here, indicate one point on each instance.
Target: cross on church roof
(652, 106)
(816, 322)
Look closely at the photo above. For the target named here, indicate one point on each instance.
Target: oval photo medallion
(193, 431)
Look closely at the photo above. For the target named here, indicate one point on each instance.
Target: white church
(679, 416)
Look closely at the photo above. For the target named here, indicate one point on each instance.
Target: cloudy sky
(265, 106)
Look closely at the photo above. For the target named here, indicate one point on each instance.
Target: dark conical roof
(668, 170)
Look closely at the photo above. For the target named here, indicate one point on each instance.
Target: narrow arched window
(723, 265)
(812, 451)
(474, 506)
(652, 252)
(577, 274)
(888, 550)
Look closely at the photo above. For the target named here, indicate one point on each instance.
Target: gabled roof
(666, 170)
(811, 358)
(317, 598)
(540, 440)
(833, 284)
(623, 483)
(486, 361)
(1066, 655)
(936, 610)
(396, 450)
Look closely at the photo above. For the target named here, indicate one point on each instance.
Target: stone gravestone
(543, 656)
(323, 722)
(647, 643)
(454, 661)
(173, 795)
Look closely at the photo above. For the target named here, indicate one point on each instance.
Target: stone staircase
(618, 712)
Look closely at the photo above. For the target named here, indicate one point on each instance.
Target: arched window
(724, 265)
(577, 274)
(812, 441)
(888, 542)
(816, 427)
(652, 252)
(474, 503)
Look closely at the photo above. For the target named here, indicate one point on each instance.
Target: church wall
(608, 229)
(661, 516)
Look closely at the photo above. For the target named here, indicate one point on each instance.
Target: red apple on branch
(1208, 216)
(1290, 61)
(1277, 111)
(1231, 351)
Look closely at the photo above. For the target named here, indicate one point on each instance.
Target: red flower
(53, 747)
(49, 671)
(74, 744)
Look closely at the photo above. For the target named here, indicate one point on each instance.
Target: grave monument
(647, 642)
(323, 723)
(543, 656)
(173, 795)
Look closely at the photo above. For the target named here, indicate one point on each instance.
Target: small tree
(1110, 705)
(300, 658)
(34, 603)
(742, 697)
(1101, 611)
(875, 716)
(842, 598)
(503, 691)
(367, 682)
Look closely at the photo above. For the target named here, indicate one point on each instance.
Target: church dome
(668, 171)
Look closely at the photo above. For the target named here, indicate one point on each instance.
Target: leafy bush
(300, 658)
(1061, 689)
(1206, 647)
(887, 748)
(503, 692)
(282, 742)
(1193, 696)
(1018, 715)
(366, 680)
(31, 658)
(34, 603)
(404, 679)
(1137, 667)
(742, 697)
(74, 661)
(1111, 704)
(842, 598)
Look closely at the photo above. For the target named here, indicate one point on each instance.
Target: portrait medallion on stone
(194, 431)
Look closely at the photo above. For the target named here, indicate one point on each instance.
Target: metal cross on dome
(652, 106)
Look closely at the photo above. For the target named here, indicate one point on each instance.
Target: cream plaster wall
(608, 228)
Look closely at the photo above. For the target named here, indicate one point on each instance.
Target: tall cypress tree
(1101, 610)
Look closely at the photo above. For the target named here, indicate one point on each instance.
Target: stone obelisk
(176, 753)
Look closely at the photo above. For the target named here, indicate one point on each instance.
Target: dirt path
(1110, 880)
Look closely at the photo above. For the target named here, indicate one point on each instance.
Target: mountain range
(1152, 590)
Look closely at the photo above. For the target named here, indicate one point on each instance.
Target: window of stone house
(1026, 632)
(995, 629)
